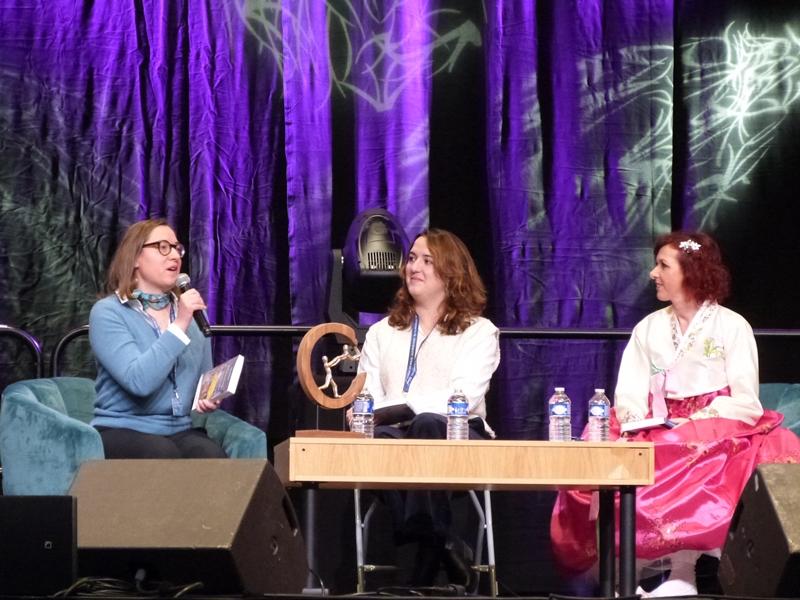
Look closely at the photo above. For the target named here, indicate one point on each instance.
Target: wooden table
(358, 463)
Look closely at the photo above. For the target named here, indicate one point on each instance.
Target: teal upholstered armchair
(784, 398)
(45, 434)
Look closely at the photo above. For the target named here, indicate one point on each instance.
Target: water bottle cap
(599, 390)
(559, 389)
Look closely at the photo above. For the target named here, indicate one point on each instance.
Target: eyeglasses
(165, 247)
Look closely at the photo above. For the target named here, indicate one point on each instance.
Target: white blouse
(718, 350)
(464, 361)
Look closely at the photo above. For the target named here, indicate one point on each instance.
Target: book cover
(220, 382)
(645, 424)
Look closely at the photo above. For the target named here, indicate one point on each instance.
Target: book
(220, 382)
(645, 424)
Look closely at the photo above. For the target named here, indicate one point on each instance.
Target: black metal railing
(30, 343)
(236, 330)
(505, 332)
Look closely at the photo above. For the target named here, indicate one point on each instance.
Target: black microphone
(183, 283)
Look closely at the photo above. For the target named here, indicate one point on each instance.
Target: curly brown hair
(705, 277)
(122, 272)
(466, 294)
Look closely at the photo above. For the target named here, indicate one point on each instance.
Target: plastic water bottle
(458, 417)
(363, 414)
(599, 415)
(560, 409)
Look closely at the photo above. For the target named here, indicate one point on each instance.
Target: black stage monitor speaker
(761, 556)
(227, 523)
(38, 551)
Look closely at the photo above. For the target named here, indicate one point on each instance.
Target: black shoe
(457, 558)
(426, 565)
(648, 584)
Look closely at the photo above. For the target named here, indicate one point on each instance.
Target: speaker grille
(383, 261)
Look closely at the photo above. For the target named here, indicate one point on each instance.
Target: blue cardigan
(134, 369)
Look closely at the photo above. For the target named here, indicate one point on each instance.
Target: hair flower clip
(689, 246)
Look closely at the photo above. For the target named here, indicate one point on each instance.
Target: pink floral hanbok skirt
(701, 468)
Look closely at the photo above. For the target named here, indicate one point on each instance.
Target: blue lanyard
(177, 409)
(411, 369)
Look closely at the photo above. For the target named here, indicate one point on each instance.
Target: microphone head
(183, 281)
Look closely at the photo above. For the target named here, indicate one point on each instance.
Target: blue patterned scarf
(154, 301)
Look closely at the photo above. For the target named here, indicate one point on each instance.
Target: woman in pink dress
(695, 363)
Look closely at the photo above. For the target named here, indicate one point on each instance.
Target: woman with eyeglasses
(149, 352)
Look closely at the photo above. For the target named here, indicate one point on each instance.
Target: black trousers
(421, 514)
(129, 443)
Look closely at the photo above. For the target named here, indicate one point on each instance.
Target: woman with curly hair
(695, 363)
(433, 342)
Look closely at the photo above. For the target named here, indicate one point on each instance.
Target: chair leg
(481, 528)
(359, 542)
(487, 500)
(362, 540)
(485, 531)
(485, 528)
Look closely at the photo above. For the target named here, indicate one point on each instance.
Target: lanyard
(177, 409)
(413, 351)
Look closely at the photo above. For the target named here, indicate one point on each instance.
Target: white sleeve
(172, 328)
(369, 363)
(633, 382)
(471, 373)
(741, 368)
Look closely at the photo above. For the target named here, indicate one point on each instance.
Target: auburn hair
(122, 272)
(466, 295)
(705, 277)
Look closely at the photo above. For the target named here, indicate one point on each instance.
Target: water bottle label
(599, 410)
(362, 406)
(458, 409)
(559, 410)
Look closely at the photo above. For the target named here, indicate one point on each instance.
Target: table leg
(606, 542)
(627, 540)
(310, 536)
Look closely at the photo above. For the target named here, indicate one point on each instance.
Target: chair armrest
(41, 448)
(237, 437)
(785, 399)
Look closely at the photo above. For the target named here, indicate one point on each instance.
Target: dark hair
(466, 295)
(705, 277)
(122, 272)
